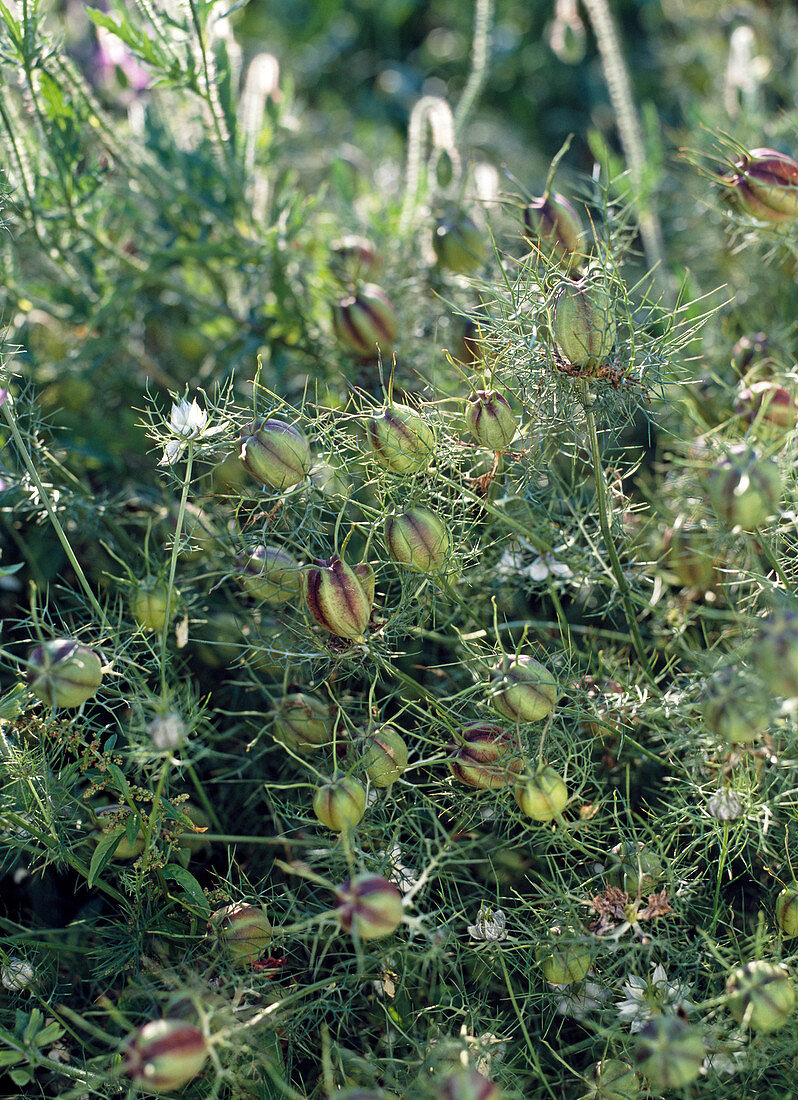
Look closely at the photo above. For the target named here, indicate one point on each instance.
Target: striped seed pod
(275, 453)
(64, 673)
(419, 540)
(366, 321)
(400, 440)
(766, 185)
(165, 1054)
(490, 419)
(369, 906)
(486, 756)
(552, 224)
(339, 597)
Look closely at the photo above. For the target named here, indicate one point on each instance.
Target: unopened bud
(302, 721)
(458, 243)
(760, 995)
(365, 322)
(584, 324)
(400, 439)
(275, 453)
(744, 488)
(369, 906)
(340, 803)
(486, 756)
(490, 419)
(384, 755)
(243, 930)
(766, 185)
(542, 796)
(269, 574)
(523, 689)
(64, 673)
(419, 540)
(339, 597)
(164, 1055)
(787, 910)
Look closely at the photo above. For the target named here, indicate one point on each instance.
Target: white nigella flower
(403, 877)
(547, 566)
(580, 1000)
(17, 974)
(726, 1054)
(187, 421)
(167, 731)
(647, 997)
(512, 564)
(490, 925)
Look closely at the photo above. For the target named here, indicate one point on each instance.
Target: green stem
(533, 1054)
(764, 546)
(181, 515)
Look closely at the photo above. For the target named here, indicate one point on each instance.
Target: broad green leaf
(104, 853)
(186, 880)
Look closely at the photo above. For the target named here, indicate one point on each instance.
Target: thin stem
(181, 515)
(533, 1054)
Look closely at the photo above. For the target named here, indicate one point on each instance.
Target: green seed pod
(584, 324)
(542, 796)
(340, 803)
(302, 721)
(365, 322)
(149, 604)
(108, 819)
(633, 867)
(400, 440)
(734, 707)
(670, 1052)
(384, 755)
(339, 597)
(760, 995)
(164, 1055)
(563, 963)
(613, 1080)
(766, 185)
(242, 930)
(369, 906)
(774, 654)
(275, 453)
(270, 575)
(523, 690)
(419, 540)
(490, 419)
(467, 1084)
(458, 243)
(486, 756)
(744, 488)
(552, 225)
(787, 910)
(64, 673)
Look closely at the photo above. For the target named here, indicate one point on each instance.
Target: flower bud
(17, 974)
(613, 1080)
(152, 609)
(760, 995)
(542, 796)
(766, 185)
(552, 224)
(369, 906)
(353, 258)
(634, 868)
(270, 575)
(384, 755)
(340, 803)
(769, 407)
(670, 1052)
(243, 930)
(302, 721)
(486, 756)
(275, 453)
(400, 439)
(734, 708)
(744, 488)
(490, 419)
(563, 963)
(366, 321)
(689, 555)
(339, 597)
(64, 673)
(775, 654)
(787, 910)
(523, 690)
(467, 1084)
(419, 540)
(458, 243)
(584, 324)
(164, 1055)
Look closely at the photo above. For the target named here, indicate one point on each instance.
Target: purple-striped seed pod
(340, 803)
(365, 321)
(400, 440)
(302, 721)
(583, 323)
(275, 453)
(490, 419)
(243, 930)
(369, 906)
(419, 540)
(339, 597)
(165, 1054)
(523, 689)
(64, 673)
(766, 185)
(486, 756)
(384, 755)
(768, 405)
(552, 224)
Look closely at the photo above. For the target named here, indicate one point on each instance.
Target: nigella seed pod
(542, 796)
(275, 453)
(769, 407)
(64, 673)
(270, 575)
(787, 910)
(775, 654)
(340, 803)
(523, 689)
(302, 721)
(613, 1080)
(734, 708)
(670, 1052)
(152, 607)
(458, 243)
(419, 540)
(551, 224)
(242, 930)
(760, 995)
(490, 419)
(369, 906)
(634, 868)
(339, 597)
(353, 258)
(384, 755)
(486, 756)
(165, 1054)
(744, 488)
(584, 324)
(766, 185)
(365, 322)
(563, 962)
(400, 440)
(109, 820)
(467, 1084)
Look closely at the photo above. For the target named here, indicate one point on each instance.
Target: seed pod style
(774, 654)
(400, 440)
(584, 324)
(769, 407)
(670, 1052)
(634, 867)
(563, 963)
(467, 1084)
(787, 910)
(164, 1055)
(734, 708)
(766, 185)
(369, 906)
(542, 796)
(613, 1080)
(64, 673)
(419, 540)
(269, 574)
(339, 597)
(151, 606)
(486, 756)
(384, 755)
(275, 453)
(365, 321)
(458, 243)
(490, 419)
(744, 488)
(552, 224)
(340, 803)
(302, 721)
(523, 689)
(242, 930)
(760, 995)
